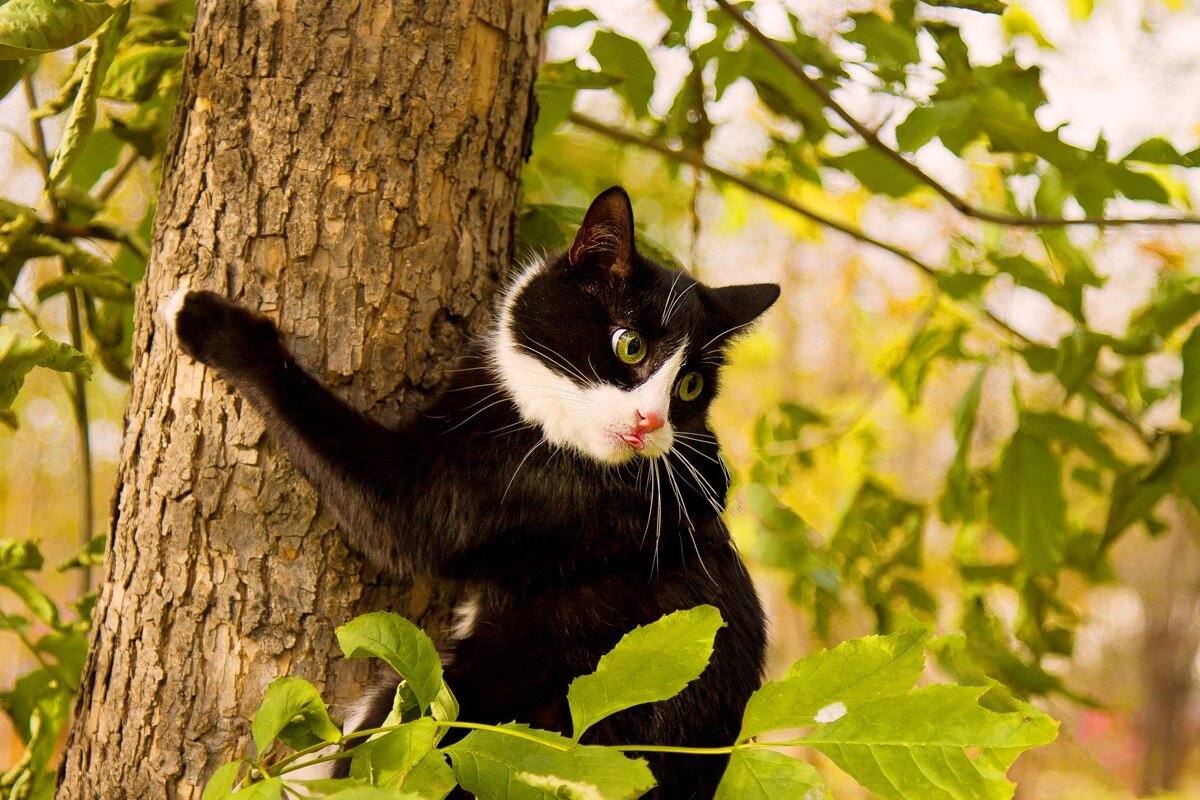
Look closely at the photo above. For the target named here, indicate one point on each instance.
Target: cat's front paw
(219, 333)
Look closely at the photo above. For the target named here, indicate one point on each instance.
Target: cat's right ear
(605, 239)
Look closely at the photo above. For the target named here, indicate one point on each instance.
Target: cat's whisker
(673, 307)
(484, 399)
(706, 488)
(724, 333)
(693, 436)
(477, 413)
(691, 529)
(473, 386)
(697, 451)
(533, 449)
(552, 355)
(666, 315)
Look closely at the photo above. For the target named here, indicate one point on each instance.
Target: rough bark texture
(351, 170)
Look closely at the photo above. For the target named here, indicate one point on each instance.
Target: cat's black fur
(562, 554)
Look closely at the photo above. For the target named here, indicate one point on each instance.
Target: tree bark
(351, 171)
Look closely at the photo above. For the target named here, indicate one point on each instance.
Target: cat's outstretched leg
(354, 462)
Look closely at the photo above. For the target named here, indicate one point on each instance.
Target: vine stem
(795, 66)
(293, 761)
(78, 393)
(1094, 390)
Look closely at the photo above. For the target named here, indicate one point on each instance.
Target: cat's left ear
(605, 239)
(738, 306)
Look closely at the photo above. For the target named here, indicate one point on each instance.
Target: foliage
(39, 703)
(1086, 437)
(116, 94)
(855, 703)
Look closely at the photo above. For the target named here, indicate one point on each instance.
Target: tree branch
(960, 204)
(1094, 390)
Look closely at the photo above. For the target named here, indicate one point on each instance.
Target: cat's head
(611, 354)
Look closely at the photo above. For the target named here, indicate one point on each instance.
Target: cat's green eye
(690, 386)
(629, 345)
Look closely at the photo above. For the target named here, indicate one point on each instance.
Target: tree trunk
(352, 172)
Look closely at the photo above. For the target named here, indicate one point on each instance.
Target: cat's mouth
(634, 443)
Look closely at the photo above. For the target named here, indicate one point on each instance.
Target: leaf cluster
(856, 704)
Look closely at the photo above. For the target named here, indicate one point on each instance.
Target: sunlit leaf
(651, 663)
(220, 785)
(495, 766)
(82, 119)
(767, 775)
(626, 59)
(293, 712)
(401, 644)
(1027, 505)
(827, 685)
(935, 742)
(32, 27)
(1190, 385)
(19, 354)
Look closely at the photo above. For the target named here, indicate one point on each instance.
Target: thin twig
(960, 204)
(1094, 390)
(35, 128)
(78, 393)
(118, 174)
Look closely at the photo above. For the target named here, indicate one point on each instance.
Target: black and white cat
(567, 481)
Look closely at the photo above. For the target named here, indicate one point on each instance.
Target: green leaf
(20, 555)
(924, 123)
(19, 354)
(386, 760)
(1189, 407)
(1016, 21)
(372, 793)
(891, 46)
(32, 27)
(11, 73)
(99, 156)
(404, 646)
(935, 340)
(876, 172)
(293, 712)
(1034, 276)
(82, 119)
(626, 58)
(1158, 151)
(136, 71)
(958, 499)
(431, 777)
(495, 766)
(106, 286)
(270, 789)
(767, 775)
(1049, 426)
(651, 663)
(220, 785)
(557, 85)
(569, 17)
(1028, 507)
(936, 742)
(833, 682)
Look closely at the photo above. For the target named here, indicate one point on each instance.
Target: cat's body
(563, 481)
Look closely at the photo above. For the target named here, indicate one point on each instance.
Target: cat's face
(609, 353)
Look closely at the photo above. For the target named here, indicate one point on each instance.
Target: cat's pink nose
(649, 421)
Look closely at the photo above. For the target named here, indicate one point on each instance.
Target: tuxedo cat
(567, 481)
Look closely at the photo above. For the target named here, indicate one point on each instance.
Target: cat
(567, 481)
